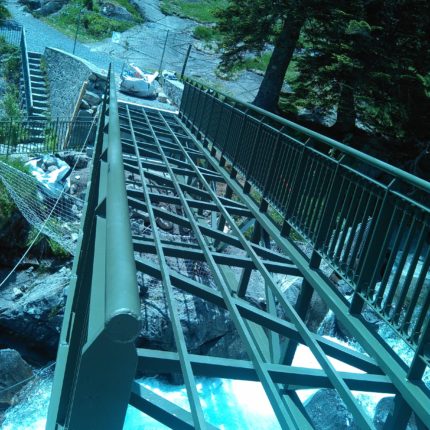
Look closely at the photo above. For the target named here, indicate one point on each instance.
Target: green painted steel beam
(284, 416)
(224, 259)
(190, 383)
(297, 378)
(161, 409)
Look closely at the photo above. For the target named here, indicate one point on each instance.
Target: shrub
(202, 32)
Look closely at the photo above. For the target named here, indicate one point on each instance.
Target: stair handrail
(26, 74)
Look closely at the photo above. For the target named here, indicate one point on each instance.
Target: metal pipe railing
(344, 149)
(41, 136)
(374, 230)
(122, 300)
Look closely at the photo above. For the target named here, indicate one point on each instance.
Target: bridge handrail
(122, 300)
(361, 156)
(97, 357)
(372, 227)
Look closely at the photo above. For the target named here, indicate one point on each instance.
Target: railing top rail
(361, 156)
(122, 299)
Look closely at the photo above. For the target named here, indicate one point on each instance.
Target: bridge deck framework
(169, 171)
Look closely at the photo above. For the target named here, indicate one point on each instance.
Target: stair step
(35, 70)
(39, 96)
(34, 62)
(37, 79)
(34, 55)
(39, 85)
(40, 104)
(39, 110)
(37, 139)
(36, 73)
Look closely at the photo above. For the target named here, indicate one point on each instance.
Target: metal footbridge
(255, 195)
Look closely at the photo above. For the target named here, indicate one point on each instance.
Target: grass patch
(7, 205)
(261, 62)
(10, 58)
(207, 34)
(92, 25)
(200, 11)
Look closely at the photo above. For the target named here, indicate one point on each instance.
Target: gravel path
(40, 35)
(143, 45)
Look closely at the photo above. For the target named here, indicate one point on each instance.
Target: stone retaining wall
(66, 73)
(173, 90)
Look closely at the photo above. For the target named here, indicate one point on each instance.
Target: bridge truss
(211, 177)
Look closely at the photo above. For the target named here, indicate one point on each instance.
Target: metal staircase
(38, 86)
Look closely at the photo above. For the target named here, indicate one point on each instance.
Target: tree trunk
(270, 88)
(346, 115)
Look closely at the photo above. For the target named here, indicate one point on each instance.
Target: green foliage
(92, 25)
(6, 48)
(57, 250)
(200, 10)
(205, 33)
(100, 27)
(51, 140)
(10, 104)
(11, 69)
(17, 164)
(4, 13)
(246, 26)
(7, 205)
(11, 66)
(368, 61)
(46, 244)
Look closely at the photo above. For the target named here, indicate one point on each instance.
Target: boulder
(76, 159)
(385, 407)
(207, 328)
(49, 7)
(33, 4)
(328, 412)
(117, 12)
(92, 99)
(34, 319)
(317, 309)
(14, 372)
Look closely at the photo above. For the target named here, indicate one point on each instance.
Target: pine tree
(4, 12)
(249, 25)
(369, 60)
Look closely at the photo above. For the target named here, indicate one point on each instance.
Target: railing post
(375, 244)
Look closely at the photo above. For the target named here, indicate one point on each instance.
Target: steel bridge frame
(144, 158)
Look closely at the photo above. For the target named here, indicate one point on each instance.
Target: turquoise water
(227, 404)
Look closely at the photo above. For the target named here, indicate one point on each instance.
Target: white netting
(59, 218)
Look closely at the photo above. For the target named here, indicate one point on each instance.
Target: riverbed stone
(328, 411)
(13, 370)
(385, 407)
(92, 98)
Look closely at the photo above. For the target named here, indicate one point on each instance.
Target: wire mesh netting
(58, 218)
